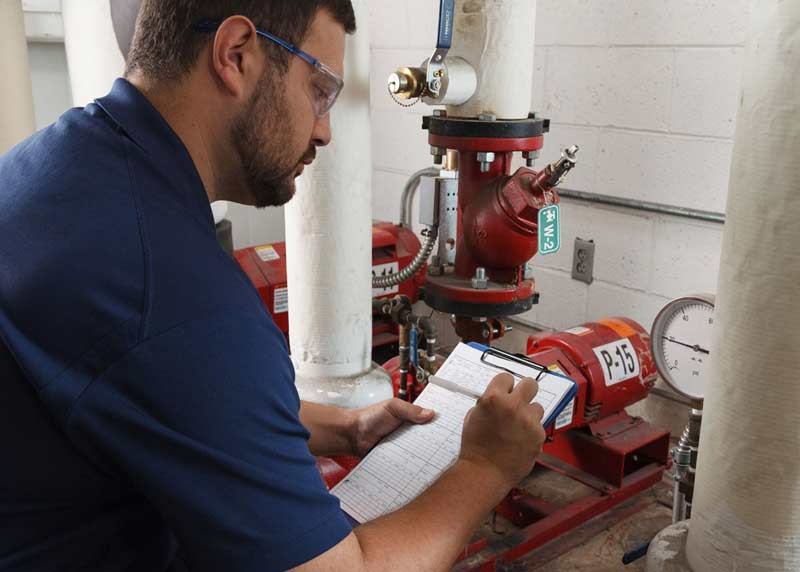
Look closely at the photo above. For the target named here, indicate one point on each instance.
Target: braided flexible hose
(419, 260)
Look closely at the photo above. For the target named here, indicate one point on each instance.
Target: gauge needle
(695, 347)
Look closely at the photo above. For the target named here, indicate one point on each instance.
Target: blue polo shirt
(148, 414)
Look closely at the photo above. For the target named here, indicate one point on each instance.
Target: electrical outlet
(583, 260)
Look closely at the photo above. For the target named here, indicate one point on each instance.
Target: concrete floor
(599, 544)
(603, 552)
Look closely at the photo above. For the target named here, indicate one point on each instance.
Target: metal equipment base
(539, 520)
(628, 458)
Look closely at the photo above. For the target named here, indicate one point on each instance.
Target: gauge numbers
(681, 340)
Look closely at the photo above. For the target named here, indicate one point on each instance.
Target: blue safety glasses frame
(324, 84)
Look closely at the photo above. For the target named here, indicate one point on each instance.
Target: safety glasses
(323, 87)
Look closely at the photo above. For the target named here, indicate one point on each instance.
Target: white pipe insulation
(746, 509)
(329, 251)
(497, 38)
(16, 95)
(93, 55)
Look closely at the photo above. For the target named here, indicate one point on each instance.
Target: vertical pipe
(329, 251)
(746, 509)
(678, 503)
(497, 38)
(16, 95)
(93, 54)
(405, 359)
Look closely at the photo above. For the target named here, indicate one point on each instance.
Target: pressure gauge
(681, 342)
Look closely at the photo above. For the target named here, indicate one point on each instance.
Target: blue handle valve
(447, 11)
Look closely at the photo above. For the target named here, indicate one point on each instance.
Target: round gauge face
(681, 340)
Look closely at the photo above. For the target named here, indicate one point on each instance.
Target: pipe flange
(497, 129)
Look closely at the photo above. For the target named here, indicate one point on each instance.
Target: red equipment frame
(612, 453)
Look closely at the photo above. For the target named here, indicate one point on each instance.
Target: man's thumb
(422, 415)
(411, 412)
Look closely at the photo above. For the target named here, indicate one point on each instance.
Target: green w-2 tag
(549, 229)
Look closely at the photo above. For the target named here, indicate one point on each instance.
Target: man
(148, 418)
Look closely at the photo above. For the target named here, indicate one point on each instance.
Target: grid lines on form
(408, 461)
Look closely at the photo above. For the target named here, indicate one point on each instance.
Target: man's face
(278, 131)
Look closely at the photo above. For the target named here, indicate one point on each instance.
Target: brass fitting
(407, 83)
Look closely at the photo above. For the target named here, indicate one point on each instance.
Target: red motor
(611, 356)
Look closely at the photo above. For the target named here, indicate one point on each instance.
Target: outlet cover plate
(583, 260)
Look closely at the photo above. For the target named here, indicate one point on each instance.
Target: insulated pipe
(123, 16)
(497, 38)
(93, 55)
(16, 95)
(746, 510)
(329, 251)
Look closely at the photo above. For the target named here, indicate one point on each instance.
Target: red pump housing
(594, 441)
(605, 392)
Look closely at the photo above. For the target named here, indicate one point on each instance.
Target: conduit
(497, 38)
(329, 251)
(746, 510)
(93, 55)
(16, 95)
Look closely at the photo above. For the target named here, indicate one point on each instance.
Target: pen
(441, 382)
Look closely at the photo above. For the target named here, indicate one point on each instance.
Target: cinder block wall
(649, 91)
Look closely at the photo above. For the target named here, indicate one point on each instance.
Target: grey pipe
(428, 327)
(414, 266)
(672, 396)
(638, 205)
(408, 193)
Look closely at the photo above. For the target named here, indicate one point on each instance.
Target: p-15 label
(618, 360)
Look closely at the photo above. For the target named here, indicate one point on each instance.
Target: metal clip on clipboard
(504, 361)
(503, 357)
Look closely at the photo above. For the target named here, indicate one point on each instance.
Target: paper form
(409, 460)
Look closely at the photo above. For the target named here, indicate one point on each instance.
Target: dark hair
(165, 46)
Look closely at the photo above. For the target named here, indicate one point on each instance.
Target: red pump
(594, 441)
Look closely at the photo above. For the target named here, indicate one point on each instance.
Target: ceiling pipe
(329, 251)
(496, 37)
(94, 58)
(17, 119)
(746, 505)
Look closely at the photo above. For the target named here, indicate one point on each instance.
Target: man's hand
(504, 430)
(374, 422)
(502, 435)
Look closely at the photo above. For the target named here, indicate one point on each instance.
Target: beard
(268, 162)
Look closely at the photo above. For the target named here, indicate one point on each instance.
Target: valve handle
(447, 9)
(444, 40)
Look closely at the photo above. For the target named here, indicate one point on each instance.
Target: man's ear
(236, 56)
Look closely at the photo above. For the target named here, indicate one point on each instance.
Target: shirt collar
(141, 122)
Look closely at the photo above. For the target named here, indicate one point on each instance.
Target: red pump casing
(393, 248)
(594, 441)
(572, 352)
(577, 351)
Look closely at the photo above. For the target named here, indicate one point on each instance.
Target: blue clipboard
(524, 360)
